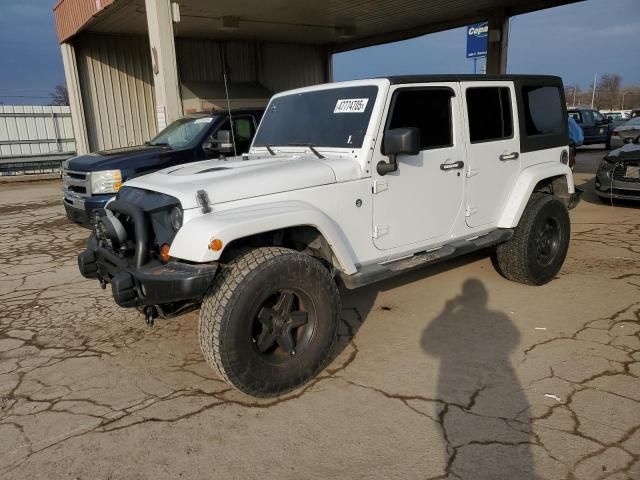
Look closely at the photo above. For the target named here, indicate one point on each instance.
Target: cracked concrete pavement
(449, 372)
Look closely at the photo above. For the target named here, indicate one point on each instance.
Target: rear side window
(489, 113)
(429, 110)
(542, 110)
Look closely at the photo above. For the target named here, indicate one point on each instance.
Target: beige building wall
(117, 89)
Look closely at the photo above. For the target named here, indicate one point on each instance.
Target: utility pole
(593, 95)
(574, 94)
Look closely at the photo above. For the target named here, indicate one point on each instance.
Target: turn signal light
(215, 244)
(164, 252)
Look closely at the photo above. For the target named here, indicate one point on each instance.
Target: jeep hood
(238, 179)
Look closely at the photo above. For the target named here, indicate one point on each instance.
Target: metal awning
(342, 24)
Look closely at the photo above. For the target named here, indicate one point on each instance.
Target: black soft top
(399, 79)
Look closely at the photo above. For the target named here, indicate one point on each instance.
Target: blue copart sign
(477, 35)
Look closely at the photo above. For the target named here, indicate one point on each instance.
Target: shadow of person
(485, 414)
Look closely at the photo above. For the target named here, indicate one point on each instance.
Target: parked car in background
(618, 176)
(596, 127)
(90, 181)
(629, 130)
(617, 115)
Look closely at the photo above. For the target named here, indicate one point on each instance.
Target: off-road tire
(517, 259)
(228, 311)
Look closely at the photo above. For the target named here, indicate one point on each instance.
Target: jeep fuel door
(422, 198)
(493, 149)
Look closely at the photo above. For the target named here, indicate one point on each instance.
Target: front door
(493, 149)
(420, 201)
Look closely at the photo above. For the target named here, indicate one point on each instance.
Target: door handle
(452, 166)
(505, 157)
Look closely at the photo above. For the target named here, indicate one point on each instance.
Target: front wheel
(270, 321)
(536, 252)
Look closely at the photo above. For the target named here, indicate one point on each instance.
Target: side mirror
(398, 141)
(402, 141)
(221, 144)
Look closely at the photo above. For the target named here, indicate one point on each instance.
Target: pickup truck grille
(620, 173)
(78, 183)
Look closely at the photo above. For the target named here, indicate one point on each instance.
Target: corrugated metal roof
(344, 23)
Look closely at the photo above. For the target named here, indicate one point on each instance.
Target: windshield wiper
(310, 146)
(159, 144)
(269, 149)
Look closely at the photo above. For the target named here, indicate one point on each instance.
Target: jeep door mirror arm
(398, 141)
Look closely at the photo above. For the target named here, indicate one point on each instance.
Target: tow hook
(150, 315)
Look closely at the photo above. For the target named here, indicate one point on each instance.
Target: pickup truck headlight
(106, 181)
(175, 218)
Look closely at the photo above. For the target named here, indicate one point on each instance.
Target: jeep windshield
(181, 132)
(335, 117)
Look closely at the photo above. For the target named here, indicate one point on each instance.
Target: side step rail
(382, 271)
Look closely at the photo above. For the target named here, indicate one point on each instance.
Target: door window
(428, 110)
(489, 113)
(598, 117)
(243, 131)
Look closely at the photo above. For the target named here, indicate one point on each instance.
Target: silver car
(626, 132)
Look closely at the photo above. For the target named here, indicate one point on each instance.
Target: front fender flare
(192, 240)
(523, 188)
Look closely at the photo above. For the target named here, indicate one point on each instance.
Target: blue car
(90, 181)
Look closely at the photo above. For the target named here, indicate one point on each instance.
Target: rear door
(493, 147)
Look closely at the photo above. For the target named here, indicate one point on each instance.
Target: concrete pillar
(163, 60)
(75, 98)
(498, 42)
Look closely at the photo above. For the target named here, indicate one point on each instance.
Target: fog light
(164, 253)
(215, 245)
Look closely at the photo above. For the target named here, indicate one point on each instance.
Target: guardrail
(33, 164)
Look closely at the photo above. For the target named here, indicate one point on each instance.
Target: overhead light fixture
(229, 23)
(345, 32)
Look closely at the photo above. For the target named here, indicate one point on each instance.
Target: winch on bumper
(139, 280)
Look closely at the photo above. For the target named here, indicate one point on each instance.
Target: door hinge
(379, 186)
(470, 210)
(380, 230)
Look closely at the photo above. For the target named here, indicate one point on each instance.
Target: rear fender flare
(524, 186)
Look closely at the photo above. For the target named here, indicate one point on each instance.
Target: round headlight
(175, 218)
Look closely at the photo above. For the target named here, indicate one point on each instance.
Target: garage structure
(133, 66)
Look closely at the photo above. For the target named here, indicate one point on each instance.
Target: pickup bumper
(80, 209)
(154, 283)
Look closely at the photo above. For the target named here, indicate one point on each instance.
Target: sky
(574, 41)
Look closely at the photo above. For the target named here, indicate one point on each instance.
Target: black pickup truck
(90, 181)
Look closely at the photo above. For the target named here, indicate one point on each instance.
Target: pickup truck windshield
(336, 117)
(181, 132)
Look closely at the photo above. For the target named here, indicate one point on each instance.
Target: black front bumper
(138, 280)
(154, 283)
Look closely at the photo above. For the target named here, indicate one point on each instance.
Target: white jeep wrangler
(345, 184)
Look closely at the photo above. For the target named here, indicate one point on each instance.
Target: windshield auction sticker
(351, 105)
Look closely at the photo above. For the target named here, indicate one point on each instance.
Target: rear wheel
(270, 321)
(536, 252)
